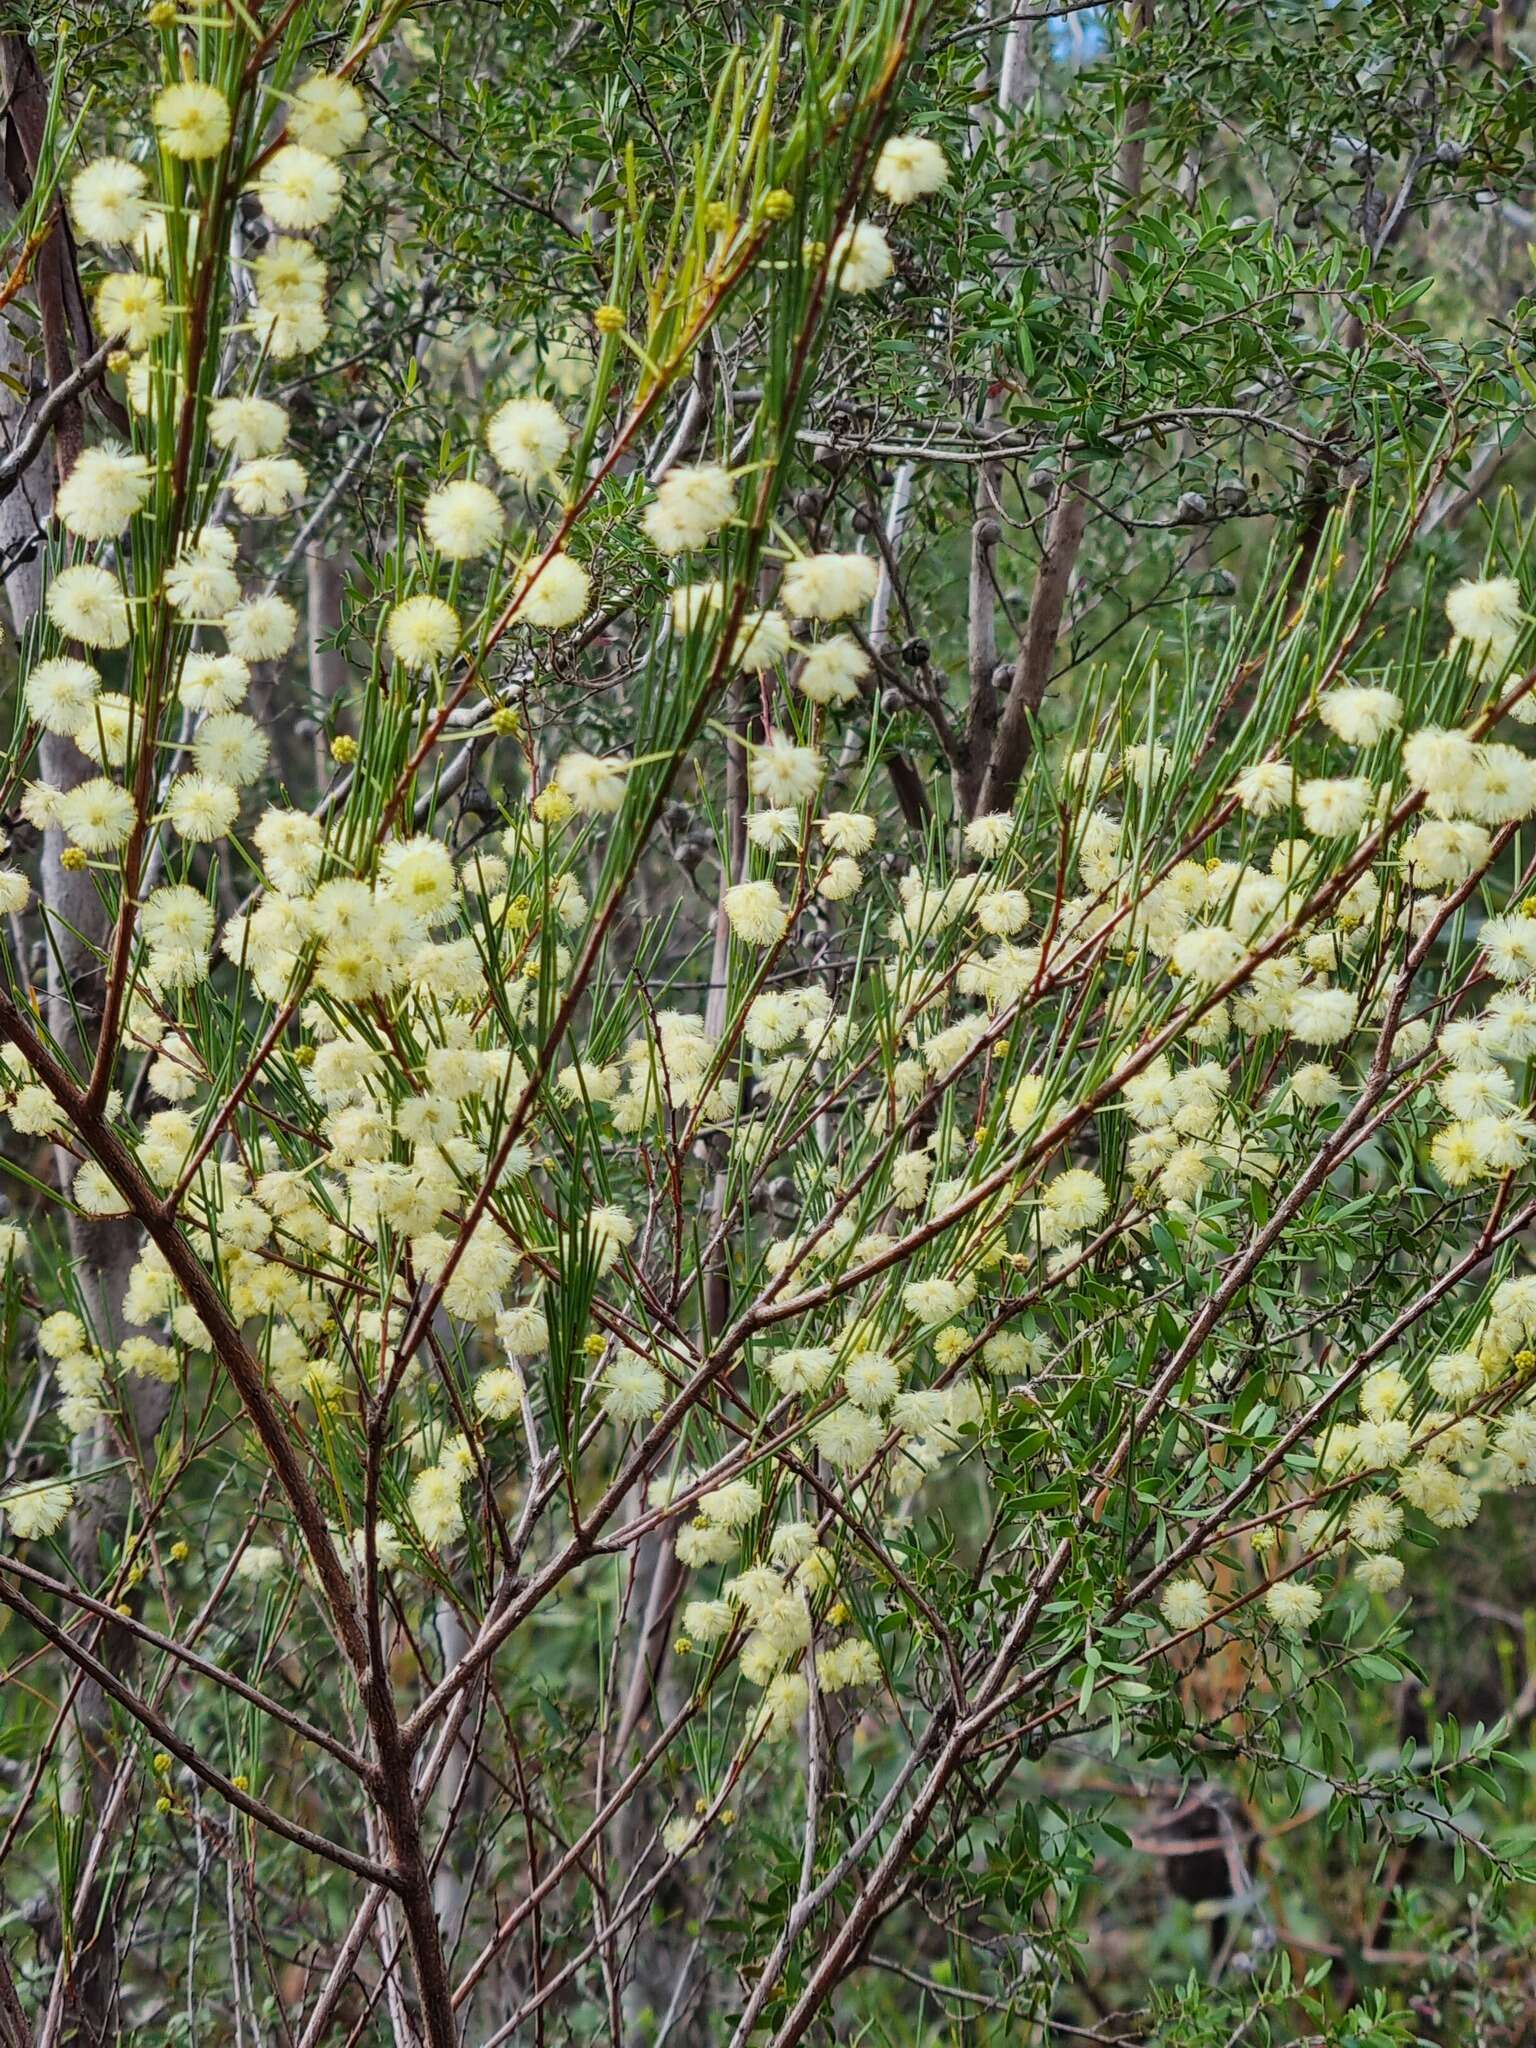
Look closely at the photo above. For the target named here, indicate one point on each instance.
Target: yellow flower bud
(778, 204)
(241, 1782)
(343, 748)
(160, 1763)
(504, 721)
(180, 1552)
(609, 319)
(717, 217)
(552, 806)
(73, 859)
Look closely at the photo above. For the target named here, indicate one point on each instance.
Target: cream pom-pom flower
(177, 915)
(1266, 787)
(327, 114)
(689, 509)
(756, 914)
(247, 427)
(1486, 613)
(498, 1394)
(132, 303)
(261, 629)
(1335, 806)
(1320, 1016)
(97, 815)
(292, 330)
(418, 874)
(1292, 1606)
(1360, 715)
(107, 200)
(1380, 1573)
(191, 119)
(213, 682)
(102, 492)
(61, 694)
(86, 603)
(200, 583)
(267, 485)
(633, 1390)
(832, 670)
(593, 785)
(1185, 1604)
(299, 188)
(107, 734)
(988, 836)
(422, 631)
(292, 848)
(436, 1504)
(829, 586)
(231, 747)
(908, 168)
(692, 604)
(290, 276)
(762, 639)
(555, 595)
(527, 437)
(1208, 953)
(773, 830)
(463, 520)
(861, 259)
(732, 1505)
(36, 1511)
(201, 809)
(783, 773)
(848, 831)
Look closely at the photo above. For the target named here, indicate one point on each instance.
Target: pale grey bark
(323, 583)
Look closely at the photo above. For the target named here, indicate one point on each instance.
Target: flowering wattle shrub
(657, 1359)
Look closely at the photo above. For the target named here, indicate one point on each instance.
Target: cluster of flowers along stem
(1027, 999)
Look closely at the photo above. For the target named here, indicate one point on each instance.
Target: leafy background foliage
(1290, 374)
